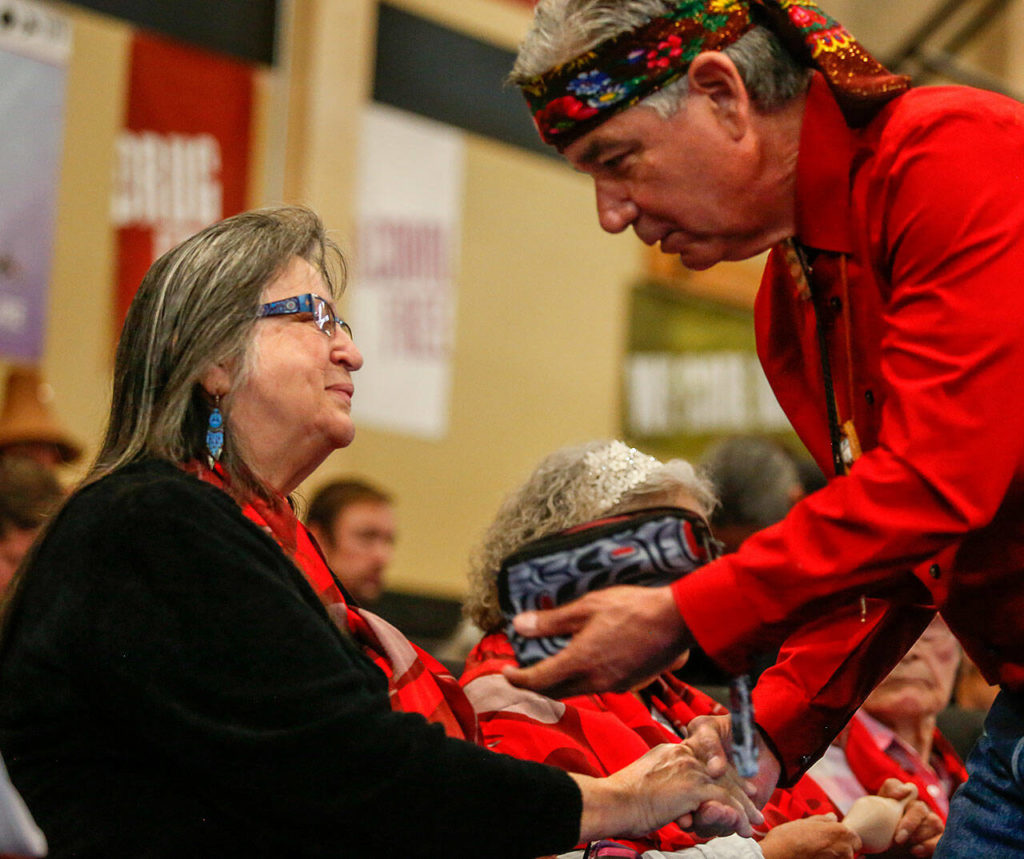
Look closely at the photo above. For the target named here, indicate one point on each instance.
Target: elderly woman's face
(921, 684)
(296, 402)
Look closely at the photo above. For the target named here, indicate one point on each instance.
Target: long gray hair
(196, 308)
(571, 486)
(563, 29)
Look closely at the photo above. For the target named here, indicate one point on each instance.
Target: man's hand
(668, 783)
(621, 637)
(817, 837)
(918, 830)
(711, 739)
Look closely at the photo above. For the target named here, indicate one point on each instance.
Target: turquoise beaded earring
(215, 433)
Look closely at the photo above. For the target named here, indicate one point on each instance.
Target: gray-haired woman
(180, 674)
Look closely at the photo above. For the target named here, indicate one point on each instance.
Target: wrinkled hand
(667, 784)
(711, 739)
(621, 636)
(918, 831)
(817, 837)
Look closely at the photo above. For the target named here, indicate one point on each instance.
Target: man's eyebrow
(595, 149)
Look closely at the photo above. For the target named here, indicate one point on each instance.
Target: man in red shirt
(890, 323)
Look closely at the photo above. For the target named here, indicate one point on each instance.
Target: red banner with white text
(182, 160)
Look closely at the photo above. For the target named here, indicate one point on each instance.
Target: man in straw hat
(28, 427)
(890, 322)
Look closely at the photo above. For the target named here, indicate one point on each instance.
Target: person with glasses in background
(180, 674)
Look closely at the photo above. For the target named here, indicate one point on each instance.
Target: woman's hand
(918, 830)
(669, 783)
(817, 837)
(621, 636)
(711, 739)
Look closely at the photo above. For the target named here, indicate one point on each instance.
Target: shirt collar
(827, 146)
(881, 735)
(888, 742)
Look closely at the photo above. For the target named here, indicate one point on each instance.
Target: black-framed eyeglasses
(322, 311)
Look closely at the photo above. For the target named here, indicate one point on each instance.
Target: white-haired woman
(180, 674)
(598, 734)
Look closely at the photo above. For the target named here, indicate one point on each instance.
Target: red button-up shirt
(924, 208)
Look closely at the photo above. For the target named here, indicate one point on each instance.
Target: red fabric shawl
(600, 734)
(872, 766)
(417, 682)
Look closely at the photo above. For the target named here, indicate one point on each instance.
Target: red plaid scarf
(872, 766)
(417, 683)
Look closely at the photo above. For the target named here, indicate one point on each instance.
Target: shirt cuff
(722, 620)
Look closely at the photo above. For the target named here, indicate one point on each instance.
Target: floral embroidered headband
(577, 96)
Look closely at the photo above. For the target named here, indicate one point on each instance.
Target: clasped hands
(622, 638)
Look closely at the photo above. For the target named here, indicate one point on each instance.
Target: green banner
(692, 376)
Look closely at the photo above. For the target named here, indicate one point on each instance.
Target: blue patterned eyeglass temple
(321, 310)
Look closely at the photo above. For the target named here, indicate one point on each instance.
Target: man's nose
(615, 210)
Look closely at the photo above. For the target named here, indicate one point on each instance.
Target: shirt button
(869, 395)
(836, 303)
(934, 571)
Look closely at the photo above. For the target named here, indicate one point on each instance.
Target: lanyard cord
(834, 430)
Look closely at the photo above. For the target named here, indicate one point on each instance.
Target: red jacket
(925, 333)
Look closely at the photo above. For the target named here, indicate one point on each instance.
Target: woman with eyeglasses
(181, 674)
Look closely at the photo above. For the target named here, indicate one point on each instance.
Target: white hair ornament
(615, 469)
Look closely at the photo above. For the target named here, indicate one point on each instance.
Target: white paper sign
(402, 300)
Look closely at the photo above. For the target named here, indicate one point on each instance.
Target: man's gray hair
(196, 308)
(560, 493)
(563, 29)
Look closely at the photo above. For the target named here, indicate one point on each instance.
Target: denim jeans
(986, 814)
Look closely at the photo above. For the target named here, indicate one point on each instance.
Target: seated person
(597, 734)
(29, 493)
(29, 429)
(894, 734)
(354, 523)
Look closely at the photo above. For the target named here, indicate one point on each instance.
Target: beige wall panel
(80, 329)
(331, 67)
(501, 23)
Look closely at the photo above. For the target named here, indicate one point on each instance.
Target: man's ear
(713, 75)
(320, 535)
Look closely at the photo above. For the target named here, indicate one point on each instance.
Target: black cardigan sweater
(170, 686)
